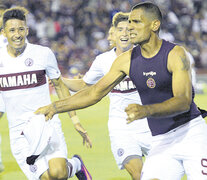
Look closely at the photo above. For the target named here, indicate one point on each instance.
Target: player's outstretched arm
(179, 66)
(92, 94)
(74, 84)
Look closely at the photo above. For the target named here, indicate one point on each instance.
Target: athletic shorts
(128, 143)
(178, 152)
(20, 149)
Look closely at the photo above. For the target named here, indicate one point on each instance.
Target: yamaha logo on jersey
(28, 62)
(33, 168)
(151, 83)
(120, 152)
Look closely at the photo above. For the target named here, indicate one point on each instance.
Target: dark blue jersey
(154, 84)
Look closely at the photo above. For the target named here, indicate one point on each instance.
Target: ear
(3, 32)
(156, 25)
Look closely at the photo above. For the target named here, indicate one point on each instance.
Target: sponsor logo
(33, 168)
(151, 83)
(22, 80)
(28, 62)
(151, 73)
(120, 152)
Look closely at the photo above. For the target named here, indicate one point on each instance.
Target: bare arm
(74, 84)
(178, 65)
(62, 91)
(92, 94)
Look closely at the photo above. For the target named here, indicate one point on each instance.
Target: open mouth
(17, 41)
(124, 40)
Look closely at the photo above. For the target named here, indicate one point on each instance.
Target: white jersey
(121, 96)
(3, 41)
(23, 81)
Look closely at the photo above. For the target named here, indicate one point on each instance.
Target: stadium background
(76, 31)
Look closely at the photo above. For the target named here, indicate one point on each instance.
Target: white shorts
(129, 143)
(20, 149)
(182, 150)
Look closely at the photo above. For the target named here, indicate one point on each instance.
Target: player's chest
(20, 64)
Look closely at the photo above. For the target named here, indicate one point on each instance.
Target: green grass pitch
(99, 160)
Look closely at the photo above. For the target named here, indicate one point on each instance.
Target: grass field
(99, 159)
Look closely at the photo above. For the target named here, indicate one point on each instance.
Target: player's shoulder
(125, 56)
(178, 50)
(38, 48)
(106, 55)
(3, 50)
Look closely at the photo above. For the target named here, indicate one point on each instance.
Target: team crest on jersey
(29, 62)
(33, 168)
(120, 152)
(151, 83)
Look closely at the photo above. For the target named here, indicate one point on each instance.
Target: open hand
(86, 139)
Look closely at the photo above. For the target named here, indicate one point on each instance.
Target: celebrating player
(162, 75)
(128, 141)
(38, 147)
(3, 42)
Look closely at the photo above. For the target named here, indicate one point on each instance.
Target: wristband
(75, 120)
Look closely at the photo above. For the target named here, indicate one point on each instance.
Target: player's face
(122, 36)
(111, 37)
(15, 31)
(139, 27)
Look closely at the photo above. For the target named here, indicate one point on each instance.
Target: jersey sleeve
(94, 73)
(2, 105)
(52, 69)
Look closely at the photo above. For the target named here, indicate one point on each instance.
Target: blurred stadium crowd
(76, 30)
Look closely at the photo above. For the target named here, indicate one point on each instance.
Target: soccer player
(110, 38)
(128, 141)
(38, 147)
(2, 110)
(162, 75)
(3, 42)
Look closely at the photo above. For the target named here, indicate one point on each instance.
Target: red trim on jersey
(22, 80)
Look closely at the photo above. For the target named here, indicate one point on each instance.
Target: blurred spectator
(76, 29)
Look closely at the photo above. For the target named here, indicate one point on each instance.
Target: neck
(15, 52)
(150, 48)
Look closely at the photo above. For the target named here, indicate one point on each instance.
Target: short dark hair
(119, 17)
(151, 8)
(15, 13)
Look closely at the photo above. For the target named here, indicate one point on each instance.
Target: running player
(38, 147)
(3, 42)
(128, 141)
(110, 38)
(162, 75)
(2, 110)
